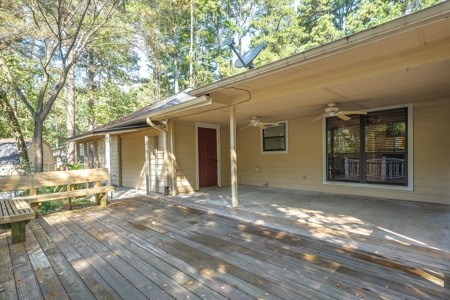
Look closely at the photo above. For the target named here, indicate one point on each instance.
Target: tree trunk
(175, 62)
(191, 44)
(39, 158)
(89, 152)
(12, 119)
(71, 115)
(156, 73)
(91, 89)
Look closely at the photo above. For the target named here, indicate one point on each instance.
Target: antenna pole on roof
(231, 44)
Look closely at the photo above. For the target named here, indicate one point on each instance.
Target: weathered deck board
(152, 249)
(389, 247)
(394, 279)
(139, 241)
(338, 264)
(144, 261)
(375, 270)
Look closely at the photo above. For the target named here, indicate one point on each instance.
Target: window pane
(386, 131)
(274, 144)
(343, 167)
(386, 168)
(272, 131)
(343, 136)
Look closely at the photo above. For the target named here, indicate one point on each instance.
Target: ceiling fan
(255, 122)
(333, 111)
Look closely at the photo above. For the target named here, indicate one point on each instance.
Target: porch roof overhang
(136, 123)
(94, 134)
(406, 60)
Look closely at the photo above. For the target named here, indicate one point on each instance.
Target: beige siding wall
(225, 155)
(431, 159)
(133, 158)
(185, 154)
(283, 170)
(432, 152)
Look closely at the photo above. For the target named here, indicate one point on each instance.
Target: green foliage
(395, 129)
(58, 205)
(77, 166)
(50, 206)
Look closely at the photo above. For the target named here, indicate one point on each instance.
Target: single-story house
(10, 158)
(385, 132)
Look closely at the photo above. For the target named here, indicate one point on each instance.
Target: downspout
(166, 156)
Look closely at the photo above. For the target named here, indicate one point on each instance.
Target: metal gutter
(403, 24)
(102, 132)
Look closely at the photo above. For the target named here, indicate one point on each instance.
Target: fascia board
(199, 102)
(78, 138)
(94, 134)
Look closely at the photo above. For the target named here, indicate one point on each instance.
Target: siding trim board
(219, 160)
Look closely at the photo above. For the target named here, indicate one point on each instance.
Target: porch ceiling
(411, 85)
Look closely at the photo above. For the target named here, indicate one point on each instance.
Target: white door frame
(219, 162)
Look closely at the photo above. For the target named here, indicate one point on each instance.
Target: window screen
(274, 138)
(368, 148)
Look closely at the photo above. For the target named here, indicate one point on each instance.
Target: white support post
(147, 166)
(156, 155)
(108, 161)
(234, 179)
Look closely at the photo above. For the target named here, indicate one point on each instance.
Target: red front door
(207, 156)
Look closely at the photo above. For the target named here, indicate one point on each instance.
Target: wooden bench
(35, 181)
(15, 214)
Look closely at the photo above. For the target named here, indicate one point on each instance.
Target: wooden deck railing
(383, 168)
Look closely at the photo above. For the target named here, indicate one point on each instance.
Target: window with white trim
(368, 148)
(274, 139)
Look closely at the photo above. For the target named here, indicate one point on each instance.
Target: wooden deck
(145, 248)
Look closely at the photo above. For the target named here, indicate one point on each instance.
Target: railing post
(34, 205)
(346, 167)
(69, 188)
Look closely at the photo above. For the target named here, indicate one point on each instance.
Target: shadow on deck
(148, 248)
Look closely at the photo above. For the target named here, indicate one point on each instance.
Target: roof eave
(409, 22)
(195, 103)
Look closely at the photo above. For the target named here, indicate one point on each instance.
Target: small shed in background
(10, 159)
